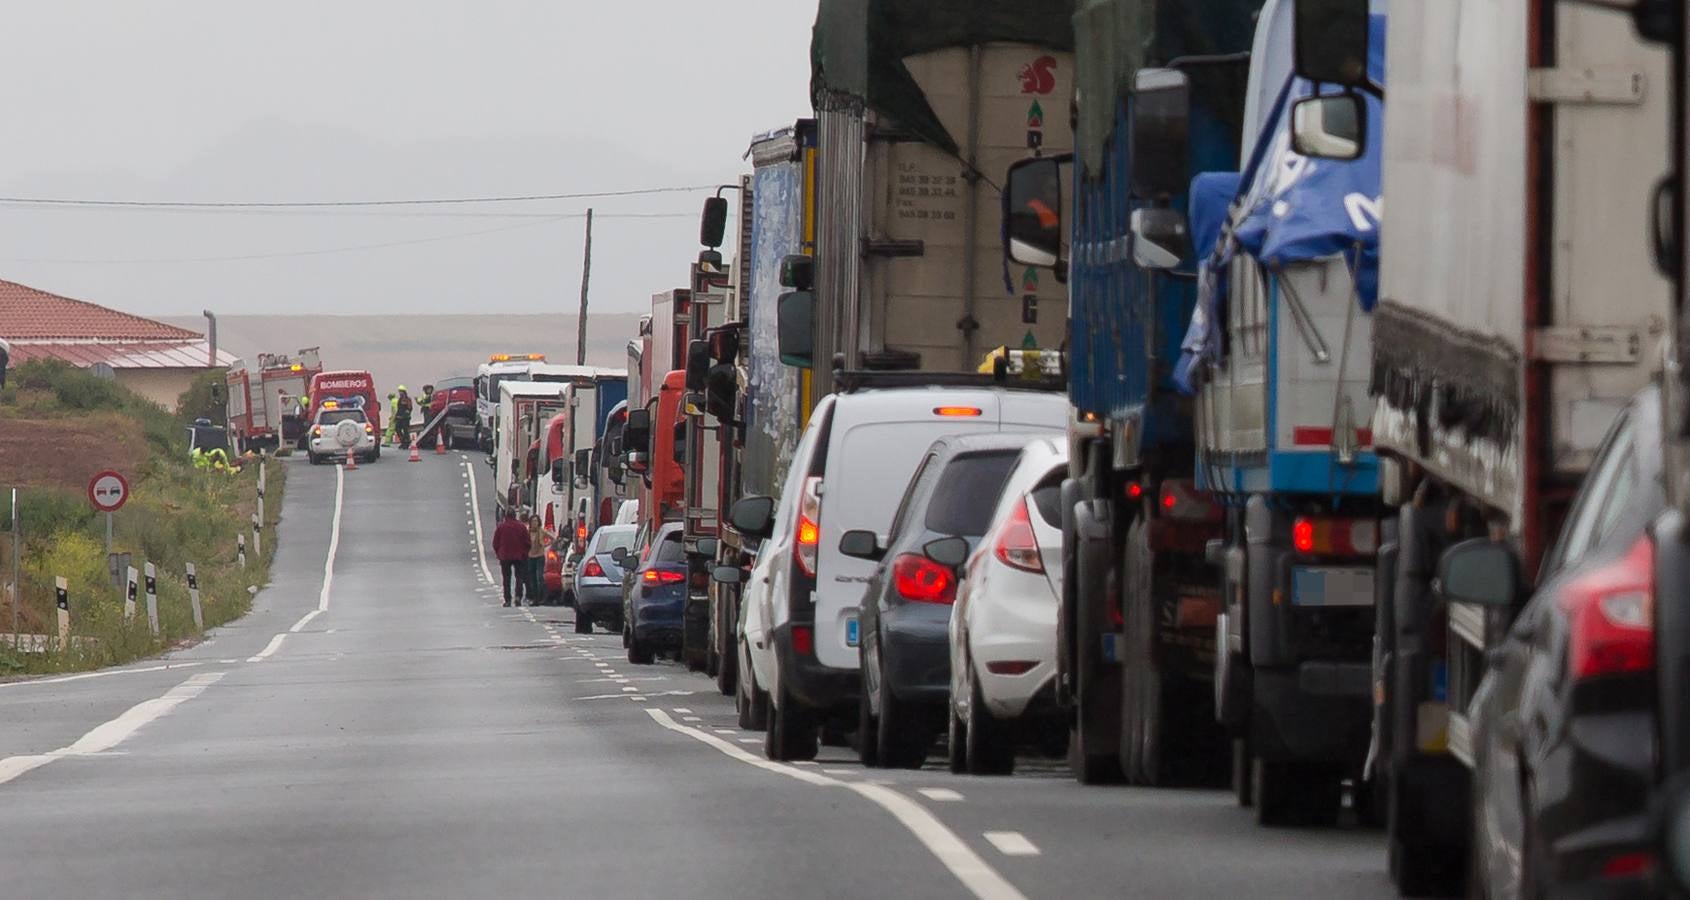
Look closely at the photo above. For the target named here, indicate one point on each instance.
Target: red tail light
(654, 576)
(592, 569)
(1180, 499)
(1335, 537)
(1612, 616)
(809, 525)
(803, 640)
(369, 429)
(551, 521)
(551, 556)
(1011, 666)
(1016, 545)
(922, 580)
(581, 532)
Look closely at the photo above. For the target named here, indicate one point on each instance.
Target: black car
(906, 608)
(1564, 719)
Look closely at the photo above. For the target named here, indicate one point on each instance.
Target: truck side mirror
(557, 471)
(1160, 237)
(698, 363)
(679, 452)
(714, 222)
(795, 315)
(708, 547)
(1480, 571)
(798, 272)
(1330, 127)
(727, 575)
(1032, 213)
(1161, 113)
(636, 434)
(1330, 42)
(583, 467)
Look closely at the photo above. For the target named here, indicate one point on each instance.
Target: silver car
(340, 432)
(598, 579)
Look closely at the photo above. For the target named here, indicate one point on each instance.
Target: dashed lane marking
(1012, 843)
(940, 795)
(953, 853)
(269, 649)
(480, 550)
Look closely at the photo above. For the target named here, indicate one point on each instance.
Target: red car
(458, 429)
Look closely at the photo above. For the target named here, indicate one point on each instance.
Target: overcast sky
(219, 100)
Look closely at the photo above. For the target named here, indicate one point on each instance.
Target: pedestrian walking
(510, 545)
(538, 541)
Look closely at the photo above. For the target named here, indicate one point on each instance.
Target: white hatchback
(1003, 626)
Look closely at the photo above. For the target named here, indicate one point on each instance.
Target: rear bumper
(599, 600)
(916, 648)
(1593, 802)
(808, 681)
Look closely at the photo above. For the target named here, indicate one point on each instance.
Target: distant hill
(418, 350)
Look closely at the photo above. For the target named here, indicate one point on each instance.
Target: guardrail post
(240, 549)
(61, 587)
(132, 587)
(152, 598)
(257, 544)
(194, 598)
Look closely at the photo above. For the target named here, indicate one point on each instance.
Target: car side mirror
(795, 318)
(1160, 237)
(753, 516)
(1480, 571)
(557, 471)
(860, 543)
(620, 554)
(1329, 44)
(951, 551)
(1161, 113)
(1330, 127)
(708, 547)
(1032, 213)
(727, 575)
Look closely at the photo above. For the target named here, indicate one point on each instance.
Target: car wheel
(314, 458)
(583, 623)
(727, 659)
(638, 653)
(791, 736)
(1243, 778)
(956, 741)
(901, 736)
(752, 703)
(990, 751)
(868, 732)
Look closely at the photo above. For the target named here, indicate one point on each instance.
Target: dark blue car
(653, 596)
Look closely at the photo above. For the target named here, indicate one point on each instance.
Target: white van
(798, 620)
(524, 407)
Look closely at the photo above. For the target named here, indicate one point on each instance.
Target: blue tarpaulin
(1286, 208)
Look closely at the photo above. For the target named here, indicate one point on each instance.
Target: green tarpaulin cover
(858, 49)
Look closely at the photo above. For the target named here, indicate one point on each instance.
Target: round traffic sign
(108, 491)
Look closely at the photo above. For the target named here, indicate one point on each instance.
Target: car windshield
(670, 549)
(962, 502)
(610, 540)
(337, 416)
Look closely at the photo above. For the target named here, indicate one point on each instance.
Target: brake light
(654, 576)
(1011, 666)
(960, 412)
(1134, 490)
(551, 556)
(1629, 864)
(803, 640)
(1335, 537)
(809, 525)
(581, 532)
(1016, 546)
(592, 569)
(369, 429)
(922, 580)
(1180, 499)
(1612, 615)
(551, 520)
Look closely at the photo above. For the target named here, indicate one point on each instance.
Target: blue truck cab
(1279, 359)
(1161, 98)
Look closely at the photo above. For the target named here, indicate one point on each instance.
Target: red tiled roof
(137, 355)
(27, 314)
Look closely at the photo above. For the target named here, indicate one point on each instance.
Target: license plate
(852, 635)
(1331, 586)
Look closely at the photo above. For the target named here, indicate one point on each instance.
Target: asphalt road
(380, 726)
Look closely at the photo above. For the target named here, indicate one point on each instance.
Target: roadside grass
(175, 515)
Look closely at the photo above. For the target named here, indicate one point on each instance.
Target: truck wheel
(1420, 864)
(1243, 783)
(1094, 742)
(792, 735)
(1297, 793)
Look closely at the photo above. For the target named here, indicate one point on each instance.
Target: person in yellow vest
(197, 455)
(392, 416)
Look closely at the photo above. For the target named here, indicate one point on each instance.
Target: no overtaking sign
(108, 491)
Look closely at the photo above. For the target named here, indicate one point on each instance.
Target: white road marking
(108, 735)
(842, 771)
(334, 540)
(102, 674)
(726, 731)
(630, 689)
(942, 795)
(1012, 843)
(480, 548)
(269, 649)
(953, 853)
(305, 620)
(751, 740)
(683, 710)
(691, 719)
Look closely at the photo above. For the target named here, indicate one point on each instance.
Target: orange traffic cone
(416, 455)
(351, 461)
(439, 445)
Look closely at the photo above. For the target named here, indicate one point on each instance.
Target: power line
(305, 204)
(333, 250)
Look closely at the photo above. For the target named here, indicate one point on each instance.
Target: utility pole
(586, 274)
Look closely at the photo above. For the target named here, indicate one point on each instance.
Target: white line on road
(102, 674)
(969, 868)
(305, 620)
(942, 795)
(751, 740)
(269, 649)
(334, 540)
(480, 550)
(1012, 843)
(107, 735)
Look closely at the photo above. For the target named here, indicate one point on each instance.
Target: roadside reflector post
(152, 598)
(240, 549)
(61, 588)
(257, 544)
(132, 587)
(194, 598)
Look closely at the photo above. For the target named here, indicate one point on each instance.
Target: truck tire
(1243, 781)
(1296, 793)
(1420, 864)
(1094, 741)
(792, 734)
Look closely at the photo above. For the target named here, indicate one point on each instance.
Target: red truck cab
(663, 502)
